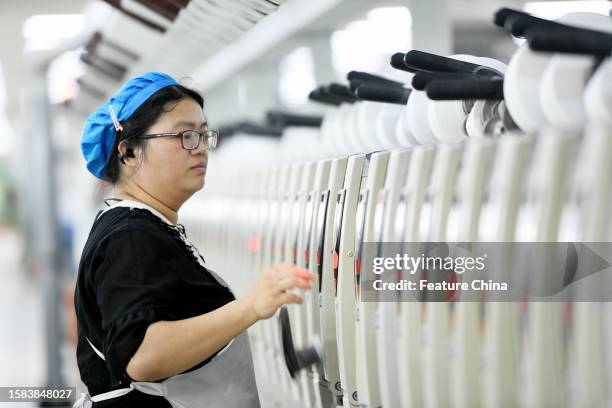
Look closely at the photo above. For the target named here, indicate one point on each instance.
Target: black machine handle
(323, 95)
(284, 119)
(383, 93)
(251, 129)
(338, 235)
(457, 89)
(340, 90)
(505, 17)
(416, 61)
(318, 96)
(420, 80)
(356, 83)
(296, 360)
(569, 41)
(366, 77)
(397, 62)
(321, 220)
(518, 23)
(425, 61)
(360, 219)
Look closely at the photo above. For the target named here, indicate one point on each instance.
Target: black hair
(141, 121)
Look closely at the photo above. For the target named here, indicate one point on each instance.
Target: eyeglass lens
(191, 139)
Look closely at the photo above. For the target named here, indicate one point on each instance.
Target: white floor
(22, 337)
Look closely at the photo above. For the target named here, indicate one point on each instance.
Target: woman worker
(156, 327)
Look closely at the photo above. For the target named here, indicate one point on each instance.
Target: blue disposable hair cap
(101, 127)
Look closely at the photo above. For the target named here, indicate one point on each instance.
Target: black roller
(340, 90)
(258, 130)
(322, 94)
(383, 93)
(459, 89)
(226, 131)
(284, 119)
(397, 62)
(425, 61)
(318, 96)
(337, 92)
(569, 42)
(420, 80)
(296, 360)
(501, 15)
(518, 23)
(356, 83)
(366, 77)
(249, 128)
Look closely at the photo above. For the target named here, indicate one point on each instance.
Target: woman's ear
(125, 152)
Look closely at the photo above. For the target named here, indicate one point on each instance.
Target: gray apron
(227, 380)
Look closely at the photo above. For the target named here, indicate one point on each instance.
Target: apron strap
(112, 394)
(86, 401)
(151, 388)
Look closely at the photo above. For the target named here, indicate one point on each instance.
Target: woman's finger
(303, 283)
(279, 271)
(292, 281)
(306, 274)
(286, 282)
(289, 297)
(286, 266)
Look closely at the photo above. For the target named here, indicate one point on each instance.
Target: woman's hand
(270, 291)
(171, 347)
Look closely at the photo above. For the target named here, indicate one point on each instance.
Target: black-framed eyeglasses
(190, 139)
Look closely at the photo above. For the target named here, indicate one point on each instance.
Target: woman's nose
(201, 149)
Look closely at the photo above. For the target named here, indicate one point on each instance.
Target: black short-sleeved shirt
(135, 270)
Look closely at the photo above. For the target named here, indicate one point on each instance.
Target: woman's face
(169, 172)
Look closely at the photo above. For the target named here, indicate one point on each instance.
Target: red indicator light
(253, 244)
(451, 294)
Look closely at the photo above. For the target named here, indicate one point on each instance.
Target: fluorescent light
(400, 14)
(46, 31)
(552, 10)
(367, 44)
(62, 76)
(296, 77)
